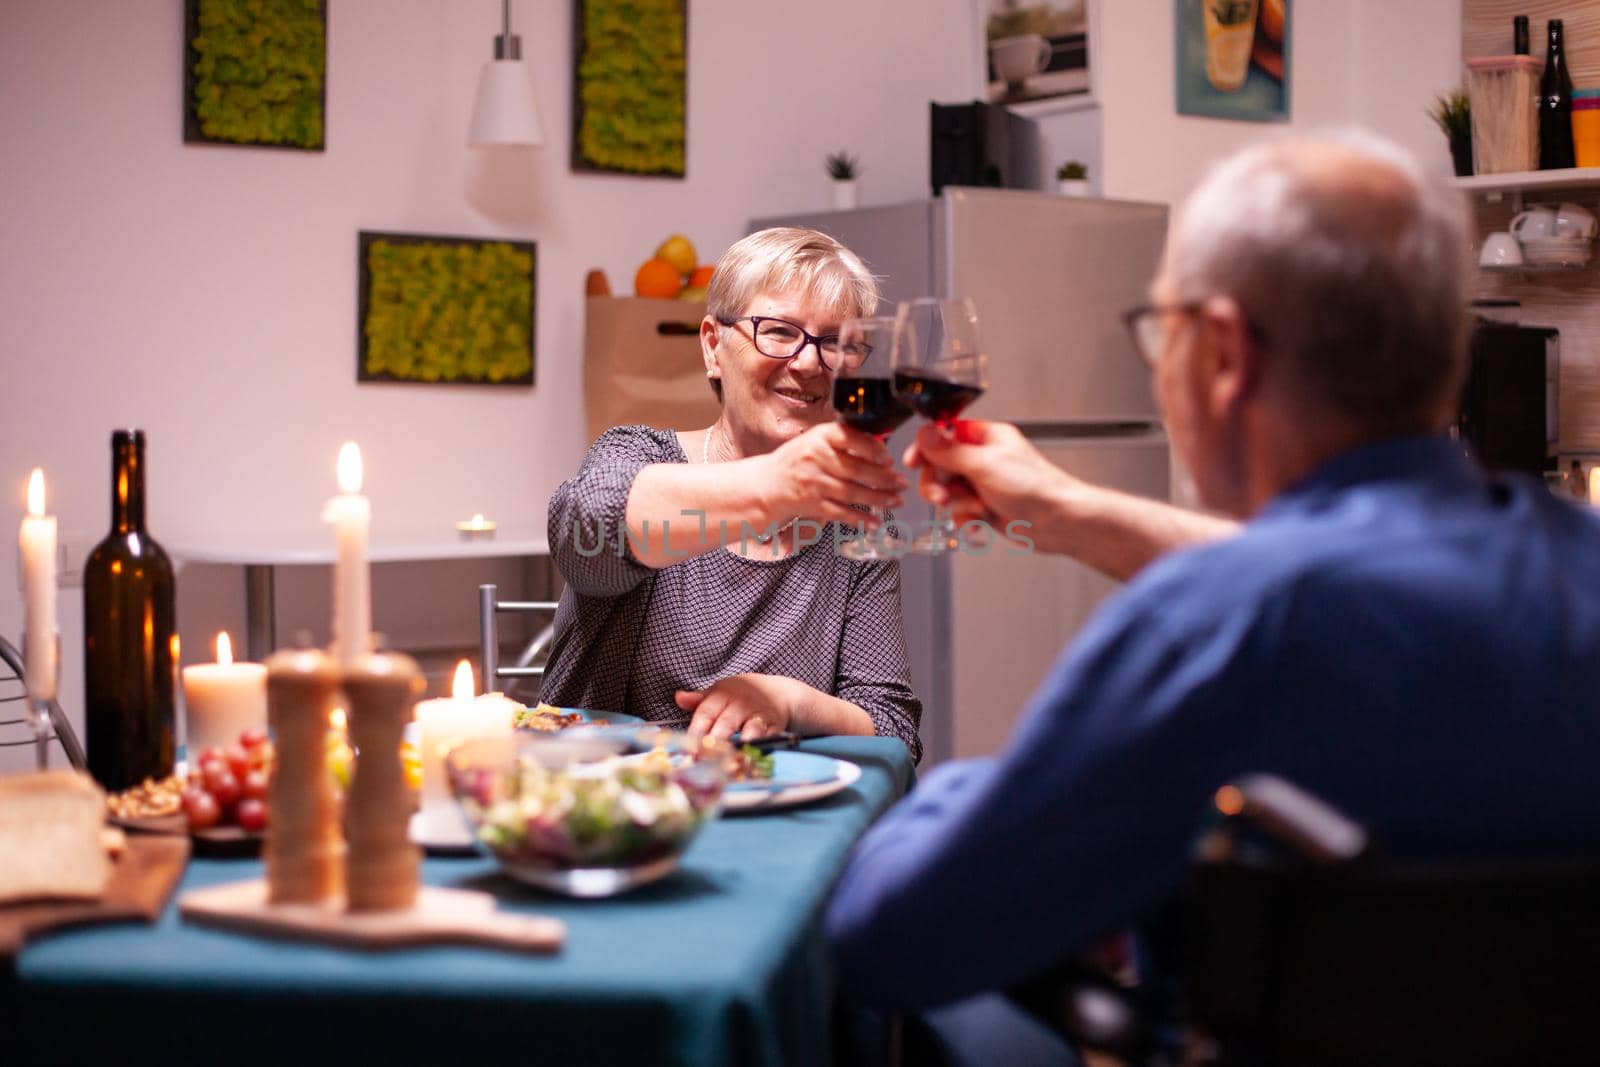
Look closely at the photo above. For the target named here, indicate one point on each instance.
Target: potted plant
(843, 168)
(1072, 179)
(1452, 113)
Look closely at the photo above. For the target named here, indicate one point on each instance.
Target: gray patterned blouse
(628, 636)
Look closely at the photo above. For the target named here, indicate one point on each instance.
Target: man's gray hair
(1350, 265)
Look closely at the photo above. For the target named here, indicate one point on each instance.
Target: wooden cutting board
(141, 881)
(440, 916)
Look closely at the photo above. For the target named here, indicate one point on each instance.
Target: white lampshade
(504, 111)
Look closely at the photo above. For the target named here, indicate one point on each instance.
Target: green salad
(605, 814)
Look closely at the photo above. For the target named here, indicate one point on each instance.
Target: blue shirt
(1413, 640)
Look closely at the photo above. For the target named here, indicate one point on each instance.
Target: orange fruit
(657, 278)
(701, 278)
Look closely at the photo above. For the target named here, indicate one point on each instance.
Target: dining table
(721, 962)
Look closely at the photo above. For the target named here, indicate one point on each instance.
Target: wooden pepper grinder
(382, 869)
(304, 850)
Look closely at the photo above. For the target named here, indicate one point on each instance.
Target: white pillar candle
(351, 516)
(36, 542)
(222, 700)
(446, 722)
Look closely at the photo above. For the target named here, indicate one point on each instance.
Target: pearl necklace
(705, 458)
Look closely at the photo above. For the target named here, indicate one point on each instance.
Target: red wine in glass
(869, 405)
(935, 398)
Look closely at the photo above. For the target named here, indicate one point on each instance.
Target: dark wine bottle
(1555, 106)
(129, 636)
(1519, 35)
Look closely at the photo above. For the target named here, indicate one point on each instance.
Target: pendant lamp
(504, 111)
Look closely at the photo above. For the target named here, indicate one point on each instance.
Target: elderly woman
(703, 583)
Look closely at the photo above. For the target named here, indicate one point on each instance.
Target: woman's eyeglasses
(782, 339)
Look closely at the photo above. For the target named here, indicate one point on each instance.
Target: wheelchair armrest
(1305, 824)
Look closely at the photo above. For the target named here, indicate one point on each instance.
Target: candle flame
(462, 688)
(337, 718)
(350, 467)
(36, 493)
(477, 518)
(224, 648)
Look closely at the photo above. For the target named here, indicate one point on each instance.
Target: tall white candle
(351, 516)
(443, 723)
(222, 700)
(37, 544)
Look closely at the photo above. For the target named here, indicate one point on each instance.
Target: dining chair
(490, 607)
(16, 730)
(1303, 944)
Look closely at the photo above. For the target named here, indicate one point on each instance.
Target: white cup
(1574, 221)
(1534, 222)
(1016, 59)
(1500, 250)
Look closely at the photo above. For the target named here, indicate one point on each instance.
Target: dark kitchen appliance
(980, 144)
(1509, 403)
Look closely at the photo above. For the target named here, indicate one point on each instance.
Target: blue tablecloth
(723, 962)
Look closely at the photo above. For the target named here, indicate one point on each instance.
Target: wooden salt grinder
(304, 851)
(382, 869)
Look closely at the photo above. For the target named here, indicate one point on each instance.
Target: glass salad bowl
(581, 812)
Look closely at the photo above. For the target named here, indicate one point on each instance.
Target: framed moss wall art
(629, 94)
(448, 310)
(255, 72)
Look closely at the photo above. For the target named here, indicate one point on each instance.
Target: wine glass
(939, 369)
(865, 400)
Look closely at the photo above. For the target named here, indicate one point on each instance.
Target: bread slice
(50, 843)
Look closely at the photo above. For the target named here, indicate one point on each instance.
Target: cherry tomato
(253, 815)
(222, 784)
(253, 737)
(208, 755)
(238, 760)
(262, 755)
(201, 807)
(255, 782)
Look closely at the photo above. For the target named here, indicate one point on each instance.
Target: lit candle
(37, 545)
(222, 700)
(476, 527)
(351, 516)
(446, 722)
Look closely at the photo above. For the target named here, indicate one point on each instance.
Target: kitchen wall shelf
(1495, 187)
(1531, 268)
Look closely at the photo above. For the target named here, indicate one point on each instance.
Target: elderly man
(1389, 627)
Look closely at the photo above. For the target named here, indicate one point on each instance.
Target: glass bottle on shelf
(1519, 35)
(1555, 105)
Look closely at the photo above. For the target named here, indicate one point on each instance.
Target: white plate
(797, 778)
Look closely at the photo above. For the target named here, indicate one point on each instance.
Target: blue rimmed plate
(797, 778)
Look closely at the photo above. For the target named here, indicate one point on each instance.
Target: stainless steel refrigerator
(1050, 276)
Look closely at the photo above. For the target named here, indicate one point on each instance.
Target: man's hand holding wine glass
(988, 472)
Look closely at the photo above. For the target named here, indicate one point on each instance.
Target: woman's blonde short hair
(788, 259)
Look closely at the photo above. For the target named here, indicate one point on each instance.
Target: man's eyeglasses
(782, 339)
(1144, 326)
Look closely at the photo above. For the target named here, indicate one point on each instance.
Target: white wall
(208, 294)
(1372, 63)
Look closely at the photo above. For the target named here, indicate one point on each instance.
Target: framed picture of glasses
(630, 86)
(445, 310)
(1035, 53)
(1233, 59)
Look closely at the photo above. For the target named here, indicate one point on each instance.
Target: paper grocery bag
(641, 364)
